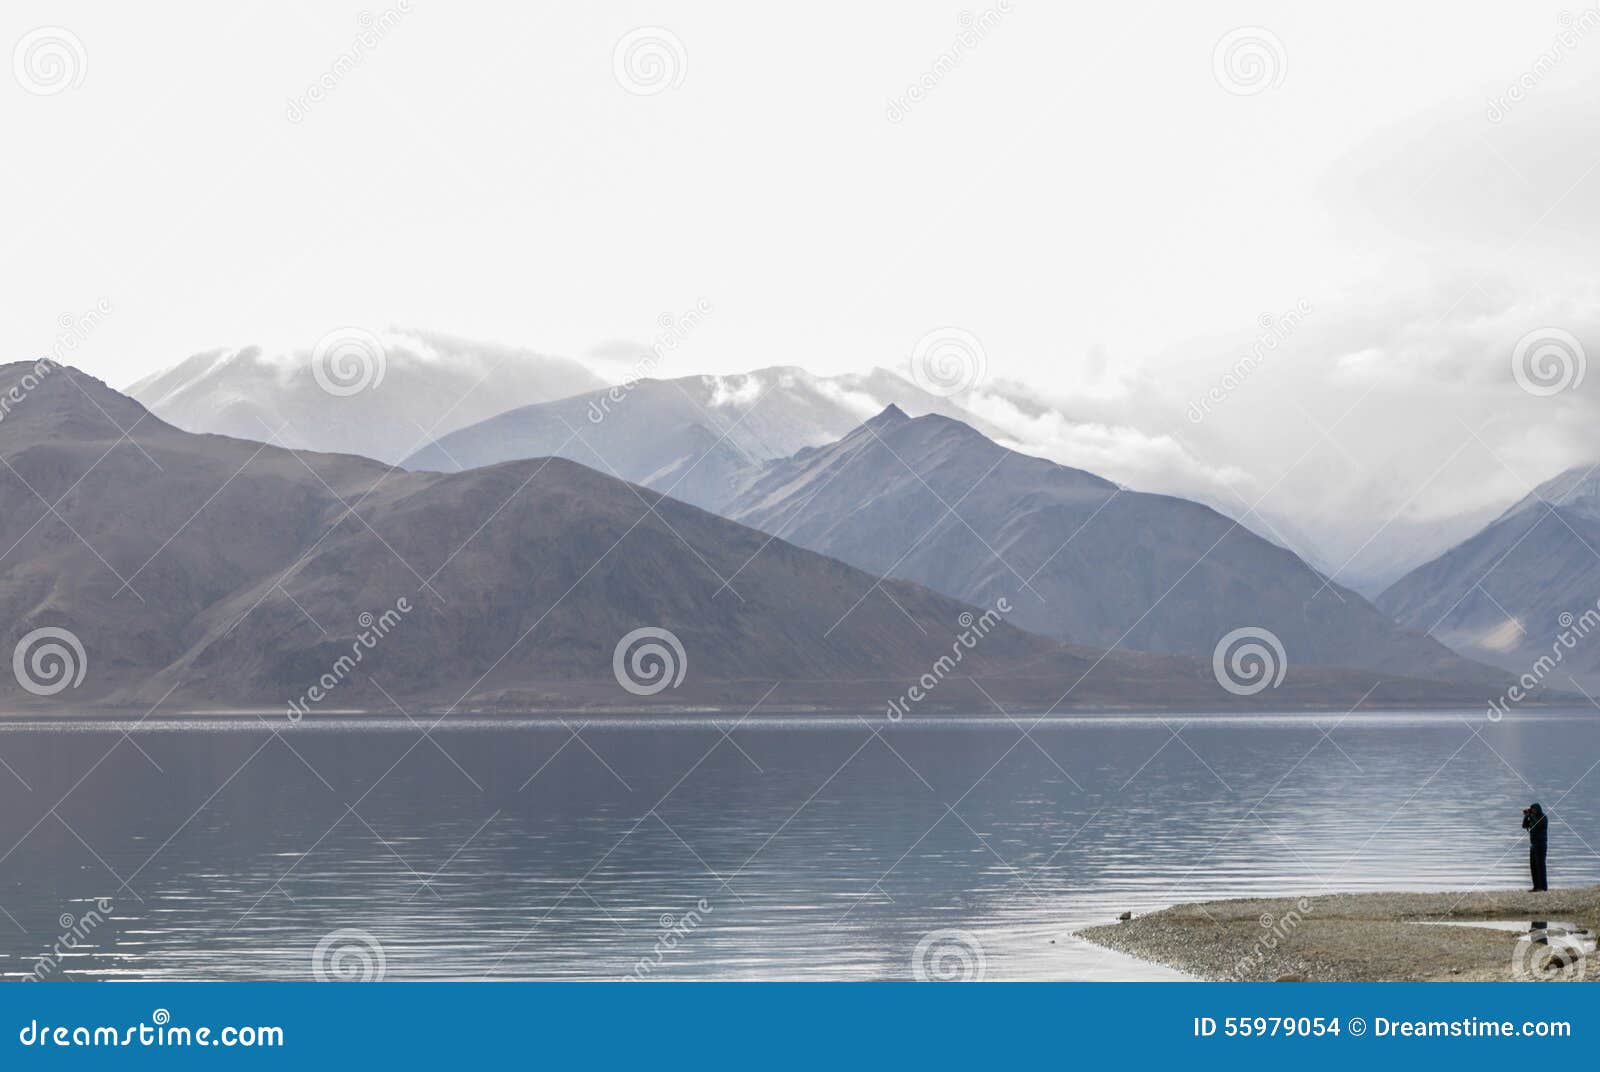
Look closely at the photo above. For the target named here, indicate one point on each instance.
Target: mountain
(1509, 592)
(380, 396)
(1368, 558)
(1404, 544)
(934, 501)
(179, 569)
(691, 437)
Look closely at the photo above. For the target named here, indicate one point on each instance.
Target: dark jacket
(1537, 824)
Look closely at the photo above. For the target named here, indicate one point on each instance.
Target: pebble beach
(1473, 936)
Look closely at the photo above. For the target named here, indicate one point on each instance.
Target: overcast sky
(1111, 198)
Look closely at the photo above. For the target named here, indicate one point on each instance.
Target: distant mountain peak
(892, 414)
(935, 501)
(1576, 489)
(759, 416)
(415, 384)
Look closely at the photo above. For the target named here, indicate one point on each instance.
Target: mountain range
(932, 500)
(447, 439)
(204, 570)
(692, 437)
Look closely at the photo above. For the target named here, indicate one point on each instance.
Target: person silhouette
(1537, 824)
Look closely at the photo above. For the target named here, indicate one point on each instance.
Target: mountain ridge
(645, 431)
(209, 572)
(931, 499)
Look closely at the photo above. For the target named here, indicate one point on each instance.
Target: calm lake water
(216, 850)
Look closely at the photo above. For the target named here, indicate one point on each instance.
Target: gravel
(1364, 936)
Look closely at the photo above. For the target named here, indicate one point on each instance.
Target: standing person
(1537, 824)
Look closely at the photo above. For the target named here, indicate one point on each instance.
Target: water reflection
(568, 849)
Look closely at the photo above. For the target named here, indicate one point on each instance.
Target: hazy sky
(1110, 197)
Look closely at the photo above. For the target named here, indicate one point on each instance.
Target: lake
(773, 847)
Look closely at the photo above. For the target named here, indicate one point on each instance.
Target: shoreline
(94, 712)
(1369, 937)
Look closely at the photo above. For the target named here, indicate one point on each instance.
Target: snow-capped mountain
(380, 395)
